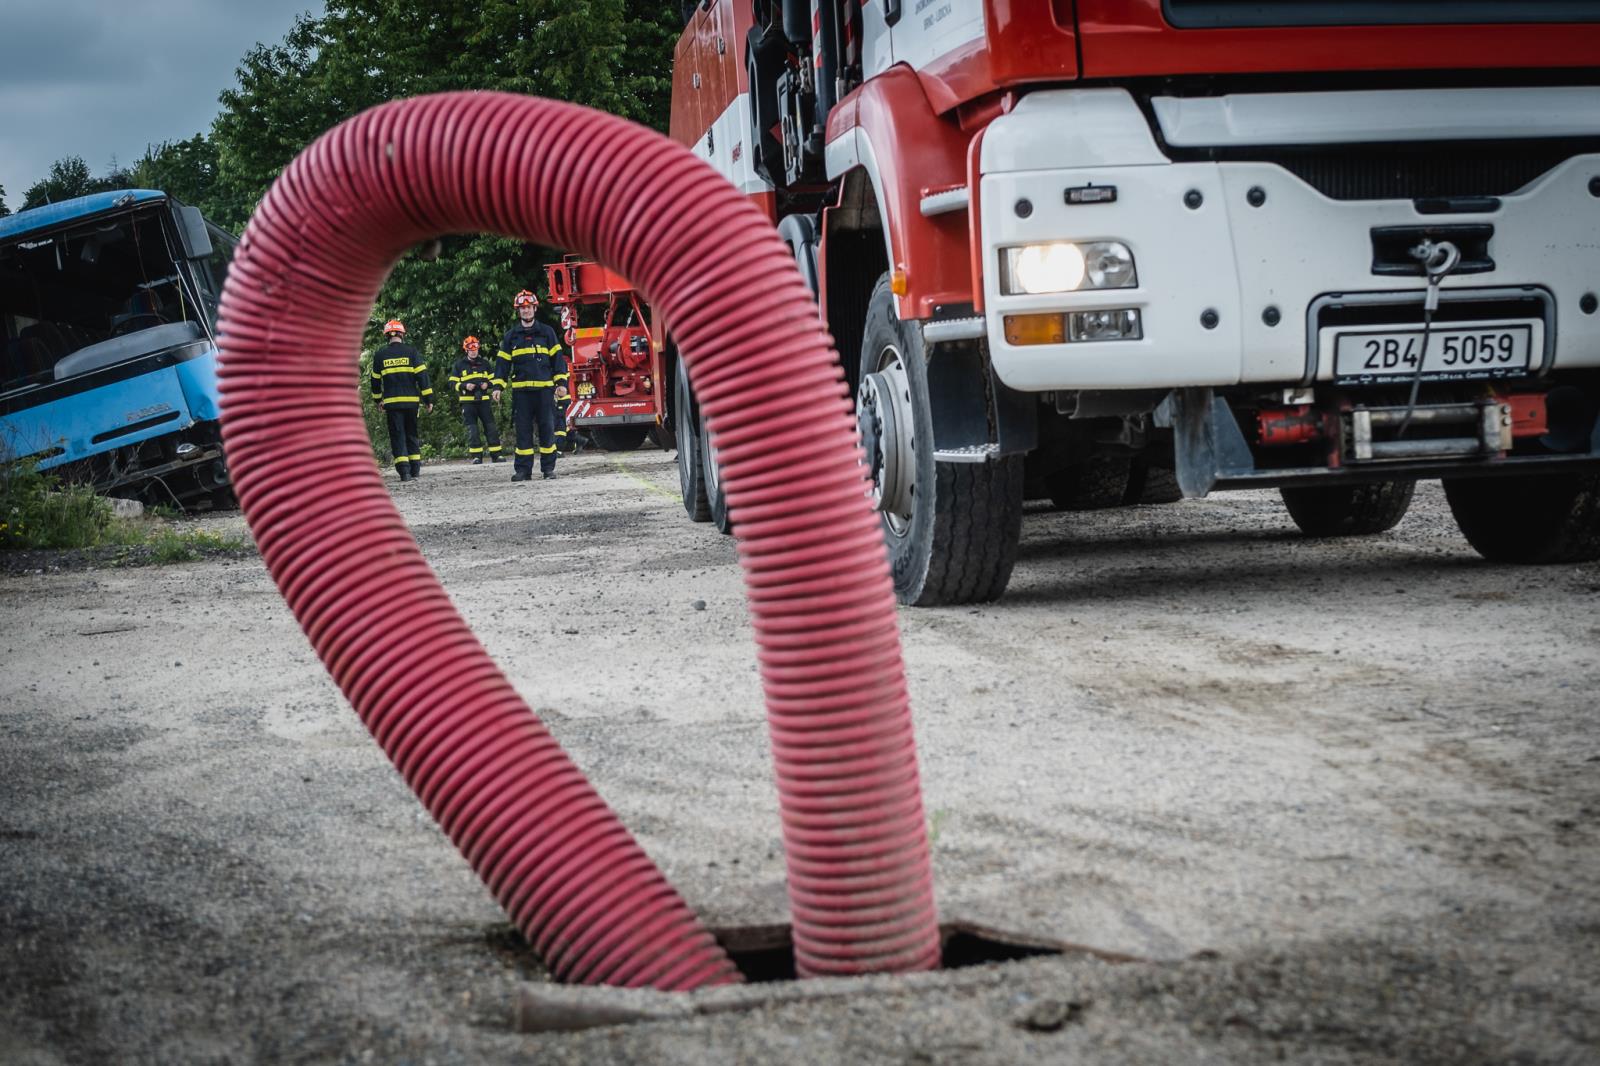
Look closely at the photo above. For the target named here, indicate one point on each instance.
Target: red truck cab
(1106, 251)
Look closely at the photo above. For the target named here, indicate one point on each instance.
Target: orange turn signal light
(899, 284)
(1036, 329)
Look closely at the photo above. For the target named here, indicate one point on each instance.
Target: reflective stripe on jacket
(473, 379)
(530, 357)
(399, 377)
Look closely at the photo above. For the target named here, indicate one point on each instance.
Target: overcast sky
(102, 81)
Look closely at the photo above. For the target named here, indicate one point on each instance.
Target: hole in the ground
(765, 953)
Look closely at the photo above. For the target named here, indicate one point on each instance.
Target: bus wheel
(951, 528)
(1547, 518)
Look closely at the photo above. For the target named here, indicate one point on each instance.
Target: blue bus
(108, 355)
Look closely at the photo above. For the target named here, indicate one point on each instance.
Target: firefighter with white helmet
(473, 378)
(399, 382)
(533, 366)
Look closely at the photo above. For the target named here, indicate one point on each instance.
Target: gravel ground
(1339, 801)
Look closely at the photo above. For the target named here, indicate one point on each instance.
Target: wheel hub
(883, 413)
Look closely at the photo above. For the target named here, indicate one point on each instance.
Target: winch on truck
(1100, 251)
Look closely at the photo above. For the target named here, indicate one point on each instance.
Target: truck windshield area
(77, 288)
(1239, 14)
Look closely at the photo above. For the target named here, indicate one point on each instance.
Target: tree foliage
(185, 169)
(70, 177)
(614, 55)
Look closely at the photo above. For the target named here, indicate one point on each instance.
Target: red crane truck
(615, 366)
(1091, 249)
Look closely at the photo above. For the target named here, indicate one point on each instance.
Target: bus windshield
(68, 290)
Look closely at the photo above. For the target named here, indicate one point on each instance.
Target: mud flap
(1206, 442)
(973, 411)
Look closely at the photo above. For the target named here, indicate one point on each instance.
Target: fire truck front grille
(1440, 171)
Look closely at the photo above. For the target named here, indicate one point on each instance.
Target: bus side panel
(199, 379)
(155, 401)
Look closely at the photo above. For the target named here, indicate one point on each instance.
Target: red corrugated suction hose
(302, 286)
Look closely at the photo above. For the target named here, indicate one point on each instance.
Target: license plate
(1455, 352)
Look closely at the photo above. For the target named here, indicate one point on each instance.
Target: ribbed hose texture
(299, 294)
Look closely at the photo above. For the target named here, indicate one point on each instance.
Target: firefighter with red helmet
(532, 365)
(399, 380)
(473, 378)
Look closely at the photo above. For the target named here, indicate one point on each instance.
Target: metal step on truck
(1112, 251)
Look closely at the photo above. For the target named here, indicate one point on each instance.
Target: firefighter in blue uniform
(473, 378)
(532, 365)
(399, 381)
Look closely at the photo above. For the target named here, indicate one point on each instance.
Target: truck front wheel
(1348, 510)
(951, 528)
(711, 478)
(1548, 518)
(691, 470)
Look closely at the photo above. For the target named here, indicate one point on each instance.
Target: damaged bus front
(108, 309)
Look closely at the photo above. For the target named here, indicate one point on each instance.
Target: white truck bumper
(1240, 264)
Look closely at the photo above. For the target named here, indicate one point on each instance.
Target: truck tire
(1348, 510)
(686, 427)
(1151, 484)
(1099, 482)
(951, 528)
(618, 438)
(1548, 518)
(716, 495)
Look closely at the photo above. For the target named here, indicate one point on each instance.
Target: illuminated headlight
(1062, 266)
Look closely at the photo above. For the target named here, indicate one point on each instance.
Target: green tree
(614, 55)
(4, 210)
(70, 177)
(185, 169)
(278, 107)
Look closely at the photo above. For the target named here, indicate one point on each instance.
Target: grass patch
(182, 546)
(38, 513)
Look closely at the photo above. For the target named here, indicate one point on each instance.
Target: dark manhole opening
(765, 953)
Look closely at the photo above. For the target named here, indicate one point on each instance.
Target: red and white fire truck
(1088, 250)
(615, 366)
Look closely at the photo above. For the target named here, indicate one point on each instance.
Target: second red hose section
(302, 286)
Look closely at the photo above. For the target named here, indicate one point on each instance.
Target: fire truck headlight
(1037, 268)
(1063, 266)
(1109, 265)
